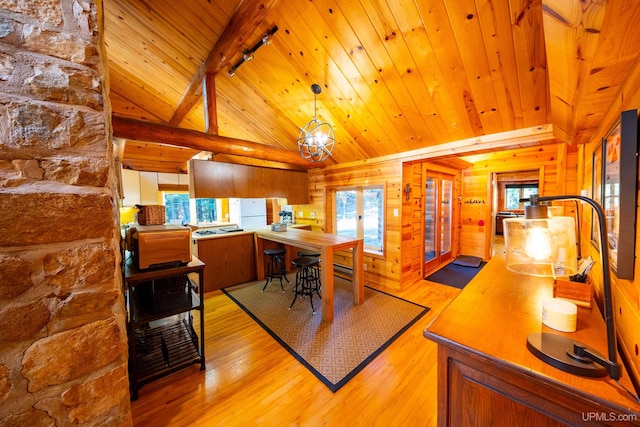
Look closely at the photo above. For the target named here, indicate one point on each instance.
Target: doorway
(438, 214)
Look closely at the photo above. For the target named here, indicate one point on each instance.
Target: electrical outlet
(300, 214)
(313, 215)
(365, 267)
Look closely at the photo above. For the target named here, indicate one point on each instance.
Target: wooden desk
(327, 244)
(486, 374)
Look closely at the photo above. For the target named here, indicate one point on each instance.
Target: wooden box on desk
(577, 292)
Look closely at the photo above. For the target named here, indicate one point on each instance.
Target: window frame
(360, 190)
(521, 188)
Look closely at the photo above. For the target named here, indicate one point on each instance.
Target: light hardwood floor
(251, 380)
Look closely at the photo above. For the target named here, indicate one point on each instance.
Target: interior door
(438, 213)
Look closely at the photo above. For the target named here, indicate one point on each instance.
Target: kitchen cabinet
(160, 326)
(230, 260)
(168, 178)
(148, 188)
(139, 188)
(213, 180)
(130, 187)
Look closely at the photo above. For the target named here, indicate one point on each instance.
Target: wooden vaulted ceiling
(395, 75)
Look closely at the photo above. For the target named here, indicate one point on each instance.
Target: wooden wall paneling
(380, 270)
(626, 293)
(530, 50)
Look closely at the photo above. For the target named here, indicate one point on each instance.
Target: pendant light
(316, 139)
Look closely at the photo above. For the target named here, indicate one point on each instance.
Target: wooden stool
(275, 266)
(307, 281)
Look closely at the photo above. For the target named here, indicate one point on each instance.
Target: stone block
(77, 171)
(81, 308)
(48, 217)
(92, 399)
(49, 11)
(90, 267)
(24, 321)
(72, 354)
(15, 276)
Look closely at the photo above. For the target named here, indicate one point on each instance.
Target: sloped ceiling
(395, 75)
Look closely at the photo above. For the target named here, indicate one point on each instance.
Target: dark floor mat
(455, 275)
(467, 261)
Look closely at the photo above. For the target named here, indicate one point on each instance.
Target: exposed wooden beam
(154, 132)
(536, 135)
(210, 106)
(243, 23)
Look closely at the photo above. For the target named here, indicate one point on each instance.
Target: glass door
(438, 215)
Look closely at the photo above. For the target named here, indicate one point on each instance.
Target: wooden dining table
(327, 244)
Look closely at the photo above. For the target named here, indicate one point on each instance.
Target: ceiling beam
(164, 134)
(245, 20)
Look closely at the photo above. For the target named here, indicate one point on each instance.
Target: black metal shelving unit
(160, 327)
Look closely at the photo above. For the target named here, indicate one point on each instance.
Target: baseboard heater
(342, 270)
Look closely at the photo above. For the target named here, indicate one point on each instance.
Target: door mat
(455, 275)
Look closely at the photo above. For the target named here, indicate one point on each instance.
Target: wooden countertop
(492, 317)
(197, 237)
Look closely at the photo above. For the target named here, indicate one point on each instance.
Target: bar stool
(275, 266)
(311, 253)
(307, 281)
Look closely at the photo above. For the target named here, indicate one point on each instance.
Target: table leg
(326, 278)
(358, 273)
(259, 245)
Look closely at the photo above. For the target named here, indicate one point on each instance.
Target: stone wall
(63, 344)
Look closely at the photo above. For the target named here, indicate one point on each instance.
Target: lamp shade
(544, 247)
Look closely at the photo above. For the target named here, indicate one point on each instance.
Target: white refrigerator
(248, 213)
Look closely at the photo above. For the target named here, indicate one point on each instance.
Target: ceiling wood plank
(242, 25)
(143, 131)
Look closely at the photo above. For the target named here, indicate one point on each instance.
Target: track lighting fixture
(248, 54)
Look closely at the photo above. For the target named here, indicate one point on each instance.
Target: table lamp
(539, 245)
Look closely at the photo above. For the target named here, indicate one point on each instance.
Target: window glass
(515, 192)
(360, 213)
(346, 219)
(373, 218)
(176, 207)
(206, 210)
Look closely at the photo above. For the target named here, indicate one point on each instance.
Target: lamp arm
(612, 364)
(614, 369)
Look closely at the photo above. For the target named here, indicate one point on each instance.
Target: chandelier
(316, 139)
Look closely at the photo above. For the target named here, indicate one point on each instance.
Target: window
(179, 210)
(515, 192)
(206, 210)
(360, 213)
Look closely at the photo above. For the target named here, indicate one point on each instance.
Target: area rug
(334, 352)
(455, 275)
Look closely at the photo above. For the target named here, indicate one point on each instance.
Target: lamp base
(557, 351)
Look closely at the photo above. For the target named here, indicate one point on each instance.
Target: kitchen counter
(221, 234)
(230, 257)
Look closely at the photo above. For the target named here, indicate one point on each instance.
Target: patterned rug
(334, 352)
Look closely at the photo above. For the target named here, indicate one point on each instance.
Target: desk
(486, 375)
(327, 244)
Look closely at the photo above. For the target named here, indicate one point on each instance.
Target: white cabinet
(149, 188)
(168, 178)
(183, 178)
(130, 187)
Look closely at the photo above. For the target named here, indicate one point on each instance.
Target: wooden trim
(173, 187)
